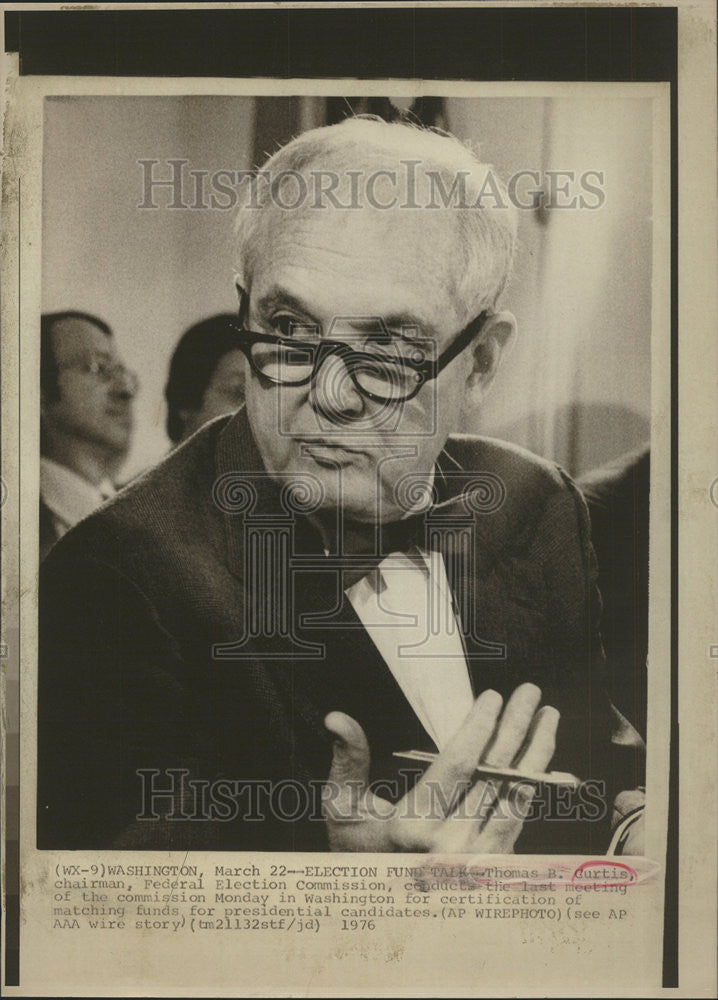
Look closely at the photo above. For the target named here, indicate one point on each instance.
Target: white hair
(486, 220)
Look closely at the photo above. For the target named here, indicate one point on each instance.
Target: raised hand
(447, 810)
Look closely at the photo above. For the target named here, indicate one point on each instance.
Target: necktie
(394, 536)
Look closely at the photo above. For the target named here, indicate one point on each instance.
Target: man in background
(618, 498)
(206, 377)
(85, 420)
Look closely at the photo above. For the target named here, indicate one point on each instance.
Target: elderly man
(236, 649)
(85, 420)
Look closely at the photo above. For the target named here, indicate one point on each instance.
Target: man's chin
(346, 488)
(353, 507)
(358, 507)
(116, 446)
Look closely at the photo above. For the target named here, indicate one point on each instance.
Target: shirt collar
(69, 496)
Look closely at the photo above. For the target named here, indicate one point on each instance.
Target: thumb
(350, 758)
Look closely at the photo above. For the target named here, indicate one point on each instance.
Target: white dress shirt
(68, 496)
(407, 607)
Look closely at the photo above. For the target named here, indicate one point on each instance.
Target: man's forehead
(401, 258)
(366, 222)
(74, 334)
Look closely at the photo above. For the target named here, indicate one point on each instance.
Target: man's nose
(333, 392)
(123, 384)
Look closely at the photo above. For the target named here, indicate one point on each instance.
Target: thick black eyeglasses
(388, 369)
(105, 371)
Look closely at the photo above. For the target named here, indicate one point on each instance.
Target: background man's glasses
(105, 371)
(387, 368)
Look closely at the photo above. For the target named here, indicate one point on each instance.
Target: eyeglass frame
(427, 369)
(106, 371)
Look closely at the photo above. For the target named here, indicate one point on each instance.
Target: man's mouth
(122, 416)
(329, 453)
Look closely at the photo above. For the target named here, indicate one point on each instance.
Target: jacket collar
(242, 487)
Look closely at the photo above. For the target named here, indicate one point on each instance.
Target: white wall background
(149, 274)
(576, 387)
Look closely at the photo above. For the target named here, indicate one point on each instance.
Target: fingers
(350, 757)
(491, 816)
(506, 822)
(421, 813)
(516, 728)
(507, 738)
(356, 819)
(515, 724)
(541, 743)
(453, 770)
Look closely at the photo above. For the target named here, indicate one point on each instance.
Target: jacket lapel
(316, 667)
(495, 585)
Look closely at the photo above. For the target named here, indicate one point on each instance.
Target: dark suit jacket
(134, 600)
(617, 496)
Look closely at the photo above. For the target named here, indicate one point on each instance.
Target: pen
(562, 778)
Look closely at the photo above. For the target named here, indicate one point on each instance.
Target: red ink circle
(579, 879)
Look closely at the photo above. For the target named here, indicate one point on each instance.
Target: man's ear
(496, 338)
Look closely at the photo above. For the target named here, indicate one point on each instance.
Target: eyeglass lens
(372, 369)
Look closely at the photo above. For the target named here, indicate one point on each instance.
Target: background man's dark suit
(133, 600)
(618, 500)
